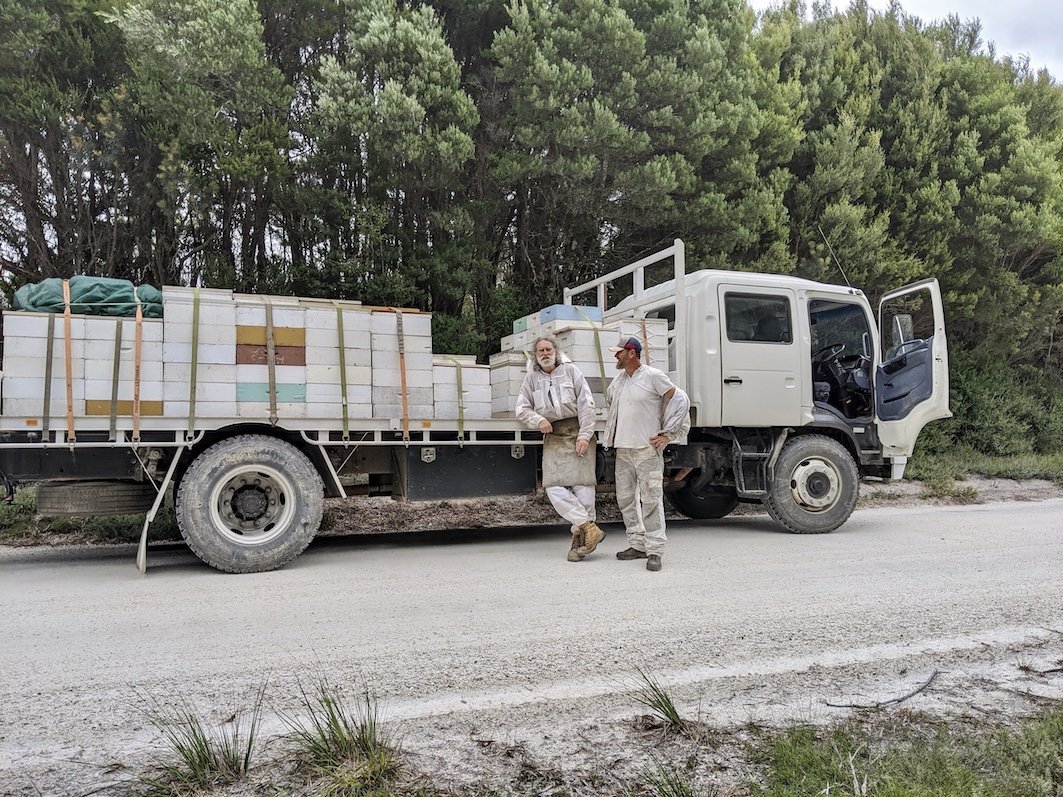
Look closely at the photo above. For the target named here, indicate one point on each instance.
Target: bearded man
(556, 400)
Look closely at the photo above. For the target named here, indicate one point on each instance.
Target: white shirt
(637, 398)
(562, 393)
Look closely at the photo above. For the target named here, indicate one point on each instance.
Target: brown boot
(577, 540)
(592, 535)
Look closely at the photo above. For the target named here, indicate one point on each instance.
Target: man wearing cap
(646, 412)
(555, 399)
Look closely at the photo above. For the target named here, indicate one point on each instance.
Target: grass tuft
(944, 487)
(666, 781)
(206, 758)
(349, 751)
(655, 697)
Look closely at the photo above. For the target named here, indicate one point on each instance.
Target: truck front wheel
(815, 485)
(249, 504)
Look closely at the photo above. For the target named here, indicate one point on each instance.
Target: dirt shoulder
(361, 515)
(381, 515)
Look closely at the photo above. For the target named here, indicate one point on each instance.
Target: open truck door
(912, 378)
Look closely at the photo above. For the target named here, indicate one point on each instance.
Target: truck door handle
(732, 380)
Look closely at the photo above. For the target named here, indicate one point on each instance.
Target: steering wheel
(828, 353)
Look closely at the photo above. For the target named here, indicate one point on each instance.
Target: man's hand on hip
(660, 441)
(545, 426)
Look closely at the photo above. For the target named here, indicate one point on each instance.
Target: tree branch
(893, 701)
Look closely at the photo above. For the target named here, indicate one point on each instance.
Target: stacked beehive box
(389, 367)
(474, 399)
(507, 373)
(214, 361)
(328, 375)
(24, 365)
(311, 374)
(585, 342)
(97, 380)
(228, 373)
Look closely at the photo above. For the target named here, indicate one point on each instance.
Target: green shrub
(998, 409)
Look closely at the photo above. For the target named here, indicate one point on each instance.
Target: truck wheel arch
(708, 502)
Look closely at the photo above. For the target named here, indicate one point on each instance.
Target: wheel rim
(815, 485)
(252, 505)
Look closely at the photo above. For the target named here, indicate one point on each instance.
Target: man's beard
(547, 362)
(619, 365)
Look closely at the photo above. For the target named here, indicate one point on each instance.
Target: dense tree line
(472, 157)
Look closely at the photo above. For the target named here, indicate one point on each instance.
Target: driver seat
(772, 330)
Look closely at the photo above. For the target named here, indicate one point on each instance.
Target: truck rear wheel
(708, 503)
(815, 486)
(249, 504)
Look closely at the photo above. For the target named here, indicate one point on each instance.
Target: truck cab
(797, 391)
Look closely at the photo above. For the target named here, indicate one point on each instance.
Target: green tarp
(91, 296)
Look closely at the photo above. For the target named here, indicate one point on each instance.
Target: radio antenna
(836, 261)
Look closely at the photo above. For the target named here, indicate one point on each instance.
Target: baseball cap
(628, 343)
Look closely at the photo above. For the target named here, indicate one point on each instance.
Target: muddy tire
(92, 498)
(708, 503)
(249, 504)
(815, 486)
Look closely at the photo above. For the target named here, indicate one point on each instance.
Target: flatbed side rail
(638, 307)
(323, 439)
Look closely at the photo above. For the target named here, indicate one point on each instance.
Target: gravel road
(485, 640)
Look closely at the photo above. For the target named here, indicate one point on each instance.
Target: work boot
(592, 535)
(577, 540)
(631, 553)
(653, 562)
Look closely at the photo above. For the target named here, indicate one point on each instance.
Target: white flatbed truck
(797, 392)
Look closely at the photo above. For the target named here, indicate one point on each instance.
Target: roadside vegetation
(340, 744)
(908, 755)
(941, 473)
(201, 757)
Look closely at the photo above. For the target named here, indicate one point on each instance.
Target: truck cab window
(667, 312)
(841, 358)
(756, 318)
(907, 324)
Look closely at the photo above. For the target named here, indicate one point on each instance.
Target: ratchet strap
(597, 344)
(645, 341)
(271, 364)
(116, 370)
(50, 350)
(70, 436)
(138, 350)
(343, 373)
(195, 362)
(402, 377)
(461, 401)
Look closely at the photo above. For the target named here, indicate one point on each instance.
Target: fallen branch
(1033, 696)
(893, 701)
